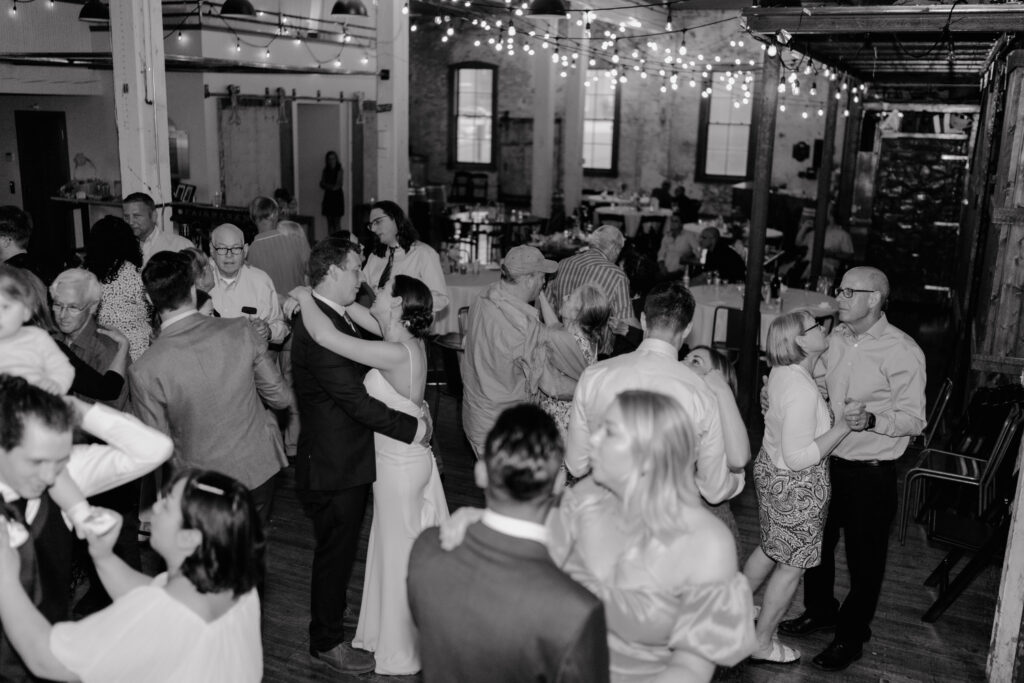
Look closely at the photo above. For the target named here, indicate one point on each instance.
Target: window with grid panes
(473, 114)
(725, 143)
(600, 125)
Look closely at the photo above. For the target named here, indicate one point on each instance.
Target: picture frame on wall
(184, 192)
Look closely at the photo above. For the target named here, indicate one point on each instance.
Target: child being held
(28, 351)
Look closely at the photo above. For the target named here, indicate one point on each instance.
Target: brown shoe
(346, 659)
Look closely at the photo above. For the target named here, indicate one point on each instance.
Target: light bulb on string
(772, 50)
(266, 53)
(846, 112)
(413, 28)
(803, 114)
(814, 89)
(782, 107)
(238, 45)
(405, 9)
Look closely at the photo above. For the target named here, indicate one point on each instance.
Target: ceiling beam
(886, 19)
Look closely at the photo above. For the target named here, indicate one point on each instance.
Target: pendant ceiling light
(547, 9)
(350, 7)
(237, 8)
(94, 12)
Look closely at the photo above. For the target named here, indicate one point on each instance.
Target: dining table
(632, 216)
(463, 289)
(712, 298)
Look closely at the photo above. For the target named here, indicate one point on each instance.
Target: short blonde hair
(781, 347)
(665, 448)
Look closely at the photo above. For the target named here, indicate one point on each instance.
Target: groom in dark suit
(335, 466)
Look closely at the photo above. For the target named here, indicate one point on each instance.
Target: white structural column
(393, 103)
(572, 130)
(543, 164)
(140, 97)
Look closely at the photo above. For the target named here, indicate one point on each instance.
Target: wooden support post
(572, 132)
(1005, 641)
(768, 108)
(140, 98)
(542, 182)
(393, 104)
(824, 185)
(848, 170)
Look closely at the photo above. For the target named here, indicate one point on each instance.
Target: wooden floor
(902, 649)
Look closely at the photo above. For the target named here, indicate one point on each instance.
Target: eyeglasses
(73, 310)
(848, 292)
(815, 325)
(224, 251)
(375, 221)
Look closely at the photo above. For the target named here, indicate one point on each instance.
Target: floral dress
(124, 307)
(557, 408)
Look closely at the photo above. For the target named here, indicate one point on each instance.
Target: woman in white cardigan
(791, 475)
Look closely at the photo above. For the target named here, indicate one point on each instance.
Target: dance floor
(903, 648)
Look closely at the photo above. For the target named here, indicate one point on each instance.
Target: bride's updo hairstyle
(417, 304)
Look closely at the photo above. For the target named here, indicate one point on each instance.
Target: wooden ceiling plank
(886, 19)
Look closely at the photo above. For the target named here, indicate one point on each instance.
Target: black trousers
(863, 506)
(337, 518)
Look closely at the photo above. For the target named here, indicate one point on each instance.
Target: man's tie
(386, 275)
(351, 324)
(29, 574)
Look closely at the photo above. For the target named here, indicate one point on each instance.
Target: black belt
(842, 462)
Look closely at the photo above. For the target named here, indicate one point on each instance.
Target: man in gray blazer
(204, 381)
(496, 608)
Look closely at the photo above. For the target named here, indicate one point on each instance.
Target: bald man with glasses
(874, 374)
(243, 291)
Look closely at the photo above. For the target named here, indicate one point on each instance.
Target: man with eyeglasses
(76, 295)
(241, 291)
(875, 377)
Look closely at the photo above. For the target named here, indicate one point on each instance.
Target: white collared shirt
(654, 366)
(132, 450)
(250, 287)
(517, 528)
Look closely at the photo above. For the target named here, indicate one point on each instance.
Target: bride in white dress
(407, 495)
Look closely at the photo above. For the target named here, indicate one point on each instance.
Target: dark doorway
(43, 161)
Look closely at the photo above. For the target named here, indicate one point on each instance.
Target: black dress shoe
(806, 624)
(838, 655)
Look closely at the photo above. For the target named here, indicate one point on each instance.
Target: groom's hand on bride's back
(428, 426)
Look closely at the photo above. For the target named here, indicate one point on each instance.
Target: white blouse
(797, 415)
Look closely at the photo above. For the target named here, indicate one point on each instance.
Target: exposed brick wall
(657, 132)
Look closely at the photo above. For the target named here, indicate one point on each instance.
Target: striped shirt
(591, 267)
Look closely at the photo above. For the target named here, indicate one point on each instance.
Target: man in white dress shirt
(35, 447)
(241, 291)
(655, 366)
(139, 212)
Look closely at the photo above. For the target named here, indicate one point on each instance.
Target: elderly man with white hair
(596, 266)
(241, 291)
(76, 295)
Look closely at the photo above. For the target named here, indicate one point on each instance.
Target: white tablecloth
(462, 291)
(709, 297)
(632, 216)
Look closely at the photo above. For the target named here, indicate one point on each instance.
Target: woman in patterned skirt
(791, 475)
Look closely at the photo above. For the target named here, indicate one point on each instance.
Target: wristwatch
(871, 421)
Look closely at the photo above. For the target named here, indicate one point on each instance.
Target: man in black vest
(35, 446)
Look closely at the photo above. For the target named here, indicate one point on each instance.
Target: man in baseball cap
(504, 336)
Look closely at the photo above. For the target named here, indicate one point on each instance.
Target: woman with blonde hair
(632, 533)
(637, 536)
(791, 474)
